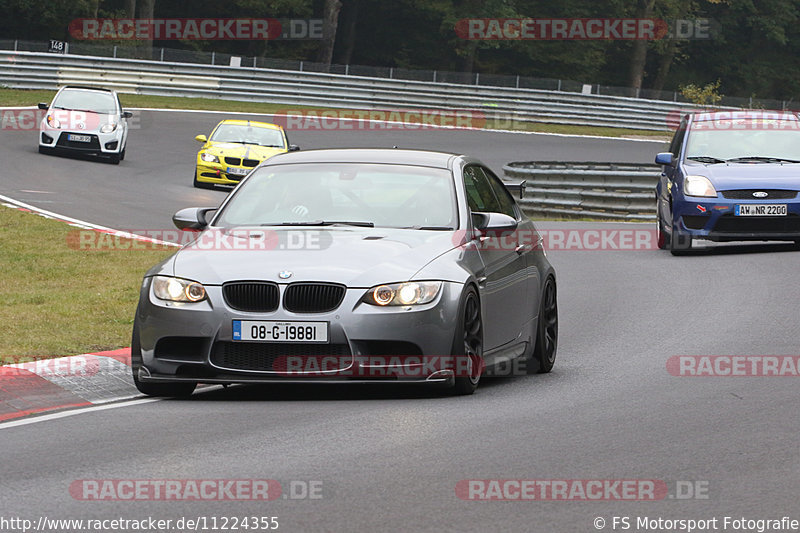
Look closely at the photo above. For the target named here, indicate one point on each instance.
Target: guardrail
(137, 50)
(592, 190)
(504, 105)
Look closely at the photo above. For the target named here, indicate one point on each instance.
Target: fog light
(46, 139)
(112, 145)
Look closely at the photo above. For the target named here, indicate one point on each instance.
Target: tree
(330, 22)
(644, 10)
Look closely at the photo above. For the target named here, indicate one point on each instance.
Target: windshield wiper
(428, 228)
(325, 223)
(765, 159)
(705, 158)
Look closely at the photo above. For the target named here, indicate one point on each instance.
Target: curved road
(390, 459)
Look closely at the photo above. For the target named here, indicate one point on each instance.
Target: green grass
(57, 300)
(18, 97)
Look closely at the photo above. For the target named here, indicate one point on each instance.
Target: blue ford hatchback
(730, 176)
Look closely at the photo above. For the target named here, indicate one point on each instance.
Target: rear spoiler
(516, 187)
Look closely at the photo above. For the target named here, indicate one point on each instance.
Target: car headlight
(177, 289)
(53, 122)
(108, 128)
(209, 158)
(409, 293)
(699, 186)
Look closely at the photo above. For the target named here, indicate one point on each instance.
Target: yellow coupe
(234, 148)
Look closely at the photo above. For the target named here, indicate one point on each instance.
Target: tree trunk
(146, 10)
(468, 59)
(350, 18)
(130, 8)
(330, 21)
(664, 64)
(639, 56)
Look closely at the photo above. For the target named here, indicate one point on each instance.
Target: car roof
(743, 114)
(392, 156)
(87, 88)
(237, 122)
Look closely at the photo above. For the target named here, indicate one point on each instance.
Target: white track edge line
(76, 411)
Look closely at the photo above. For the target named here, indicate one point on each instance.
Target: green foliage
(754, 46)
(705, 95)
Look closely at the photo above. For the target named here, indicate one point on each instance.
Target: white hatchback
(86, 120)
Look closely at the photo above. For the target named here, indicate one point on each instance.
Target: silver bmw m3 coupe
(351, 265)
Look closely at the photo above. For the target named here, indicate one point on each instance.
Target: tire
(122, 154)
(662, 236)
(546, 344)
(200, 184)
(114, 159)
(177, 389)
(468, 342)
(45, 150)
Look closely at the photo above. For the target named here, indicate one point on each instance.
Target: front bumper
(218, 173)
(100, 143)
(714, 219)
(194, 342)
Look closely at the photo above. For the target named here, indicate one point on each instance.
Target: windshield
(383, 195)
(248, 134)
(93, 101)
(778, 139)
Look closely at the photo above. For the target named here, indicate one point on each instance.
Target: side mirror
(127, 114)
(43, 106)
(201, 138)
(665, 158)
(192, 218)
(493, 223)
(293, 148)
(514, 187)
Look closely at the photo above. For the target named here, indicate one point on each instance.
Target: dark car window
(86, 100)
(677, 139)
(480, 197)
(727, 139)
(248, 134)
(397, 196)
(507, 205)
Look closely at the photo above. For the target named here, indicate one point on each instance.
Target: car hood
(82, 121)
(749, 175)
(244, 151)
(356, 257)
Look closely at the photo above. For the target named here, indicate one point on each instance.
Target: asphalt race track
(155, 180)
(389, 459)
